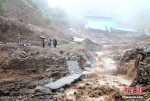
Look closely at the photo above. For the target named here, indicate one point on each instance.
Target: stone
(61, 52)
(61, 90)
(41, 97)
(57, 65)
(1, 93)
(86, 68)
(55, 72)
(47, 70)
(43, 89)
(24, 53)
(88, 64)
(17, 93)
(6, 93)
(51, 80)
(97, 92)
(32, 96)
(71, 54)
(61, 60)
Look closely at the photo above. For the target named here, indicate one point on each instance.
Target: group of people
(49, 42)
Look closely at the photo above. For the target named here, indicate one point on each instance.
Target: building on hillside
(105, 24)
(124, 30)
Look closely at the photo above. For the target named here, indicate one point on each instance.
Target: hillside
(19, 9)
(24, 19)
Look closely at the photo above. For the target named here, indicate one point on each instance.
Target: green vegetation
(5, 25)
(50, 14)
(33, 4)
(48, 18)
(3, 10)
(143, 21)
(61, 16)
(16, 8)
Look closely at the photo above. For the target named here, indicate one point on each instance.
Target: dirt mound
(91, 46)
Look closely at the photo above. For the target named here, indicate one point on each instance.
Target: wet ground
(100, 83)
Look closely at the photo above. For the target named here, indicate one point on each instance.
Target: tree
(3, 10)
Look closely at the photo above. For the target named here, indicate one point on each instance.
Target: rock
(14, 89)
(91, 46)
(24, 53)
(6, 93)
(55, 72)
(97, 92)
(55, 99)
(61, 90)
(61, 60)
(19, 86)
(67, 58)
(32, 96)
(81, 61)
(41, 97)
(71, 54)
(39, 94)
(93, 60)
(57, 65)
(61, 52)
(17, 93)
(88, 64)
(92, 95)
(86, 68)
(47, 70)
(1, 93)
(43, 89)
(13, 55)
(50, 80)
(117, 57)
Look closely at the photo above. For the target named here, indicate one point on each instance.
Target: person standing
(43, 42)
(48, 42)
(54, 42)
(20, 37)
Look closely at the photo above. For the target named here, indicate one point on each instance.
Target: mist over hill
(128, 13)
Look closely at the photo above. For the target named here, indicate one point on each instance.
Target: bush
(40, 11)
(5, 26)
(65, 21)
(3, 10)
(33, 4)
(48, 18)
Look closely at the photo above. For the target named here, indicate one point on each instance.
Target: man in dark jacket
(54, 42)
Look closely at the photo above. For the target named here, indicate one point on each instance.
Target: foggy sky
(123, 11)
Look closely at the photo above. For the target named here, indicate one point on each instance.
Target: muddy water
(99, 77)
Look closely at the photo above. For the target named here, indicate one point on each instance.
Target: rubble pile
(91, 46)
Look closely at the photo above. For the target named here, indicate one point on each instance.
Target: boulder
(43, 89)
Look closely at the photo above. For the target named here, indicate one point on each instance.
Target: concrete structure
(63, 81)
(105, 24)
(100, 23)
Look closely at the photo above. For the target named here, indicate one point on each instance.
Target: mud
(104, 79)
